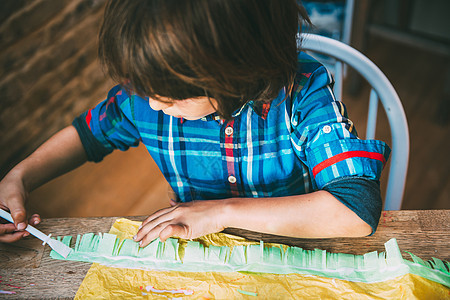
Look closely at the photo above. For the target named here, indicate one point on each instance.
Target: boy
(244, 127)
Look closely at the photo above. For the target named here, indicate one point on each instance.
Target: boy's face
(189, 109)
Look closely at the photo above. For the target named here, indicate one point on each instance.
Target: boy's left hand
(185, 220)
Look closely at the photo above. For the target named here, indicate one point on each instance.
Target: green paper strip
(247, 293)
(194, 257)
(393, 255)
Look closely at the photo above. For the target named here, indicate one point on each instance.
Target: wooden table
(27, 269)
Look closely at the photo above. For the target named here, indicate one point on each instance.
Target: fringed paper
(221, 255)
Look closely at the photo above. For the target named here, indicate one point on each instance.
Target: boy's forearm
(60, 154)
(314, 215)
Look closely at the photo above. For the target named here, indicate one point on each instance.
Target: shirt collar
(261, 109)
(211, 117)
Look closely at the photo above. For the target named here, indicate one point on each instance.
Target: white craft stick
(56, 245)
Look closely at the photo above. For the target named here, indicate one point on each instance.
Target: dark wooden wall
(48, 70)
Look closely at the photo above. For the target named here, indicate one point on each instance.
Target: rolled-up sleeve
(359, 194)
(326, 140)
(108, 126)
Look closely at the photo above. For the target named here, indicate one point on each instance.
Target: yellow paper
(102, 282)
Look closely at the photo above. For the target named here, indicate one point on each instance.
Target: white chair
(383, 90)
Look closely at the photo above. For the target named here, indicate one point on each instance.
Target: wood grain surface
(27, 269)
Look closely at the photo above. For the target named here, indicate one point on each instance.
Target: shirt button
(229, 130)
(231, 179)
(327, 129)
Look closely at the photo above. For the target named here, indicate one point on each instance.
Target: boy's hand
(12, 199)
(9, 233)
(186, 220)
(62, 153)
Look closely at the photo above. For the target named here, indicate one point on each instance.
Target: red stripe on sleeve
(342, 156)
(88, 119)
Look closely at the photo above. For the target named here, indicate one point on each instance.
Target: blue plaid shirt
(294, 145)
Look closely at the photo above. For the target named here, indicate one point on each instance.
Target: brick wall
(49, 72)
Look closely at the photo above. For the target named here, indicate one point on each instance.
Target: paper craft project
(222, 266)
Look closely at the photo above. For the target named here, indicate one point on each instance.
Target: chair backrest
(381, 89)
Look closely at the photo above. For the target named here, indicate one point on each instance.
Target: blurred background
(49, 74)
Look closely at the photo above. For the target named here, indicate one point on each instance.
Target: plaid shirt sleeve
(110, 121)
(325, 139)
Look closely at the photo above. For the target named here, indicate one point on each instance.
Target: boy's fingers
(12, 237)
(7, 228)
(171, 230)
(18, 214)
(144, 231)
(151, 235)
(157, 215)
(8, 233)
(34, 219)
(146, 228)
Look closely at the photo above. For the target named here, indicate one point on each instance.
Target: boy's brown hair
(231, 50)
